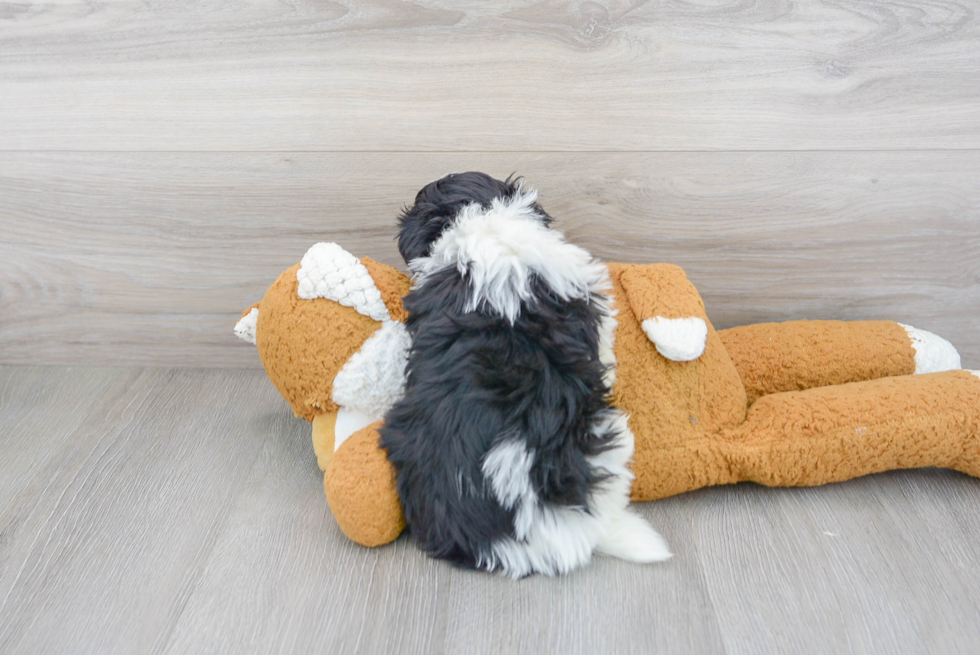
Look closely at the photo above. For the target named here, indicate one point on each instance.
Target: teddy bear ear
(328, 271)
(245, 327)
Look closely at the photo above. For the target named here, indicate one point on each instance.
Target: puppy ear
(328, 271)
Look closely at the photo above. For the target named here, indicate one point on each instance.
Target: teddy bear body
(799, 403)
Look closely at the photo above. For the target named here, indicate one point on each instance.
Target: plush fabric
(303, 344)
(360, 488)
(816, 353)
(782, 404)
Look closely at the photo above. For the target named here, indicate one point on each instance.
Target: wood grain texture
(283, 578)
(938, 501)
(149, 258)
(162, 162)
(108, 548)
(31, 431)
(450, 75)
(42, 410)
(185, 514)
(843, 560)
(610, 606)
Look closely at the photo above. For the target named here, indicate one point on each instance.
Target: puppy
(509, 455)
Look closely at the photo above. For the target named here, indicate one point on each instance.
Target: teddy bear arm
(797, 355)
(669, 309)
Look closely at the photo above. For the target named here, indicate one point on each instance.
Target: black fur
(473, 380)
(438, 203)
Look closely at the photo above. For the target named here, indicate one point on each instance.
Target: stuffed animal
(779, 404)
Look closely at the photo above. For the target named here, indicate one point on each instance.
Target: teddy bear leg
(829, 434)
(969, 461)
(360, 486)
(798, 355)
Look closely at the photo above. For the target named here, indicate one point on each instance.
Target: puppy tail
(629, 537)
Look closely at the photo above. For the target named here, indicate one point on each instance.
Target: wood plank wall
(162, 162)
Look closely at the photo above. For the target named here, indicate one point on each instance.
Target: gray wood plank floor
(181, 510)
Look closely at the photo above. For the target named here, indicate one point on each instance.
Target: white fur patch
(561, 539)
(933, 354)
(508, 468)
(556, 539)
(328, 271)
(373, 379)
(974, 373)
(677, 339)
(624, 534)
(629, 537)
(245, 327)
(348, 422)
(500, 248)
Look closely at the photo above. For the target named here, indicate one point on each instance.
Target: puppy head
(438, 203)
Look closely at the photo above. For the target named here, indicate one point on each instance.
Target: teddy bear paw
(933, 354)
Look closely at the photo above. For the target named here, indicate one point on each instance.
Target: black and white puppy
(509, 456)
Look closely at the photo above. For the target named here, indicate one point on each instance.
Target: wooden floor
(181, 511)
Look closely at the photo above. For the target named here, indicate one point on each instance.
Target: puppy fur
(509, 456)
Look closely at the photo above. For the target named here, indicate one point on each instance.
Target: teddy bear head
(315, 323)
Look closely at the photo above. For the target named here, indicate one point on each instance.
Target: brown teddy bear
(780, 404)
